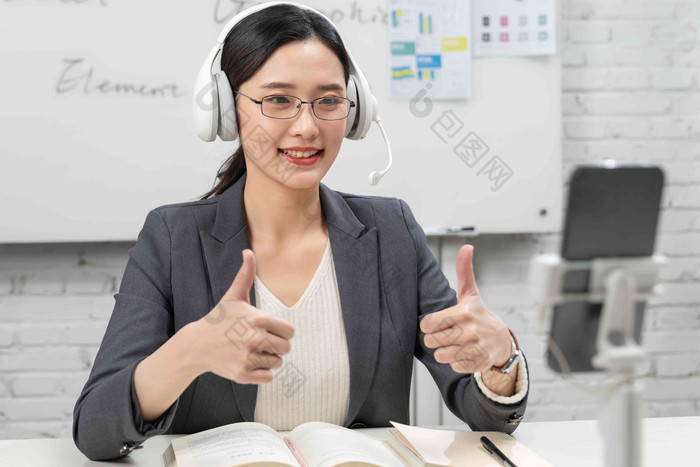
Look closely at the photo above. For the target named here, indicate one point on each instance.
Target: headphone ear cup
(228, 128)
(352, 120)
(205, 102)
(205, 108)
(362, 113)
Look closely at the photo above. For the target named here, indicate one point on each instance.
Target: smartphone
(612, 211)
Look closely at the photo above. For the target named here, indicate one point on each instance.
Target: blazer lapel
(222, 252)
(355, 255)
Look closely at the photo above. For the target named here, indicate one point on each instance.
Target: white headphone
(214, 105)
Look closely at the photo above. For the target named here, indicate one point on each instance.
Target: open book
(318, 444)
(312, 444)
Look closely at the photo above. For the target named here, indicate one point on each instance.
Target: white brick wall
(631, 90)
(55, 301)
(631, 82)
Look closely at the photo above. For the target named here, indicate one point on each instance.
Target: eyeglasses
(285, 106)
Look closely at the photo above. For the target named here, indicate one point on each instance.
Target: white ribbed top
(313, 383)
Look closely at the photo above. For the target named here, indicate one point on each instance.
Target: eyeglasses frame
(313, 109)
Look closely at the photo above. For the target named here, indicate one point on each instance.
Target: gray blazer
(184, 260)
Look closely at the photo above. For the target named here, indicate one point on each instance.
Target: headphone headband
(213, 100)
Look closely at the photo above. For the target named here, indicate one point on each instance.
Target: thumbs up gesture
(238, 341)
(467, 336)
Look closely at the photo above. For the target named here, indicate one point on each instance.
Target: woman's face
(308, 70)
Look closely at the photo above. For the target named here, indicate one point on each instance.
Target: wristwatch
(512, 362)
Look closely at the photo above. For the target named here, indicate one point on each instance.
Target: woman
(276, 272)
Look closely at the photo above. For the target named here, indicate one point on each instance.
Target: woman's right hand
(237, 341)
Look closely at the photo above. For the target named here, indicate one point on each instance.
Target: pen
(493, 450)
(460, 229)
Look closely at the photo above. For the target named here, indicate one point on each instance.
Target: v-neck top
(313, 383)
(323, 265)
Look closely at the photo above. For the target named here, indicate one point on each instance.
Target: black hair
(248, 46)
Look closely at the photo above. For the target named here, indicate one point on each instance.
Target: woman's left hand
(467, 335)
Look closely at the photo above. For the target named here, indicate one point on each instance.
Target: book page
(327, 445)
(230, 445)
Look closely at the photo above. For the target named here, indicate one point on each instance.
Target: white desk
(667, 441)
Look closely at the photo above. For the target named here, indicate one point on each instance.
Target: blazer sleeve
(460, 391)
(106, 414)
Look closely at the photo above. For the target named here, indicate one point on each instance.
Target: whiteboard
(97, 127)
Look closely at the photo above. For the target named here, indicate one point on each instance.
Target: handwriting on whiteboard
(77, 2)
(224, 10)
(76, 76)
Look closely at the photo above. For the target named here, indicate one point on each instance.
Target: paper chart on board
(429, 49)
(514, 27)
